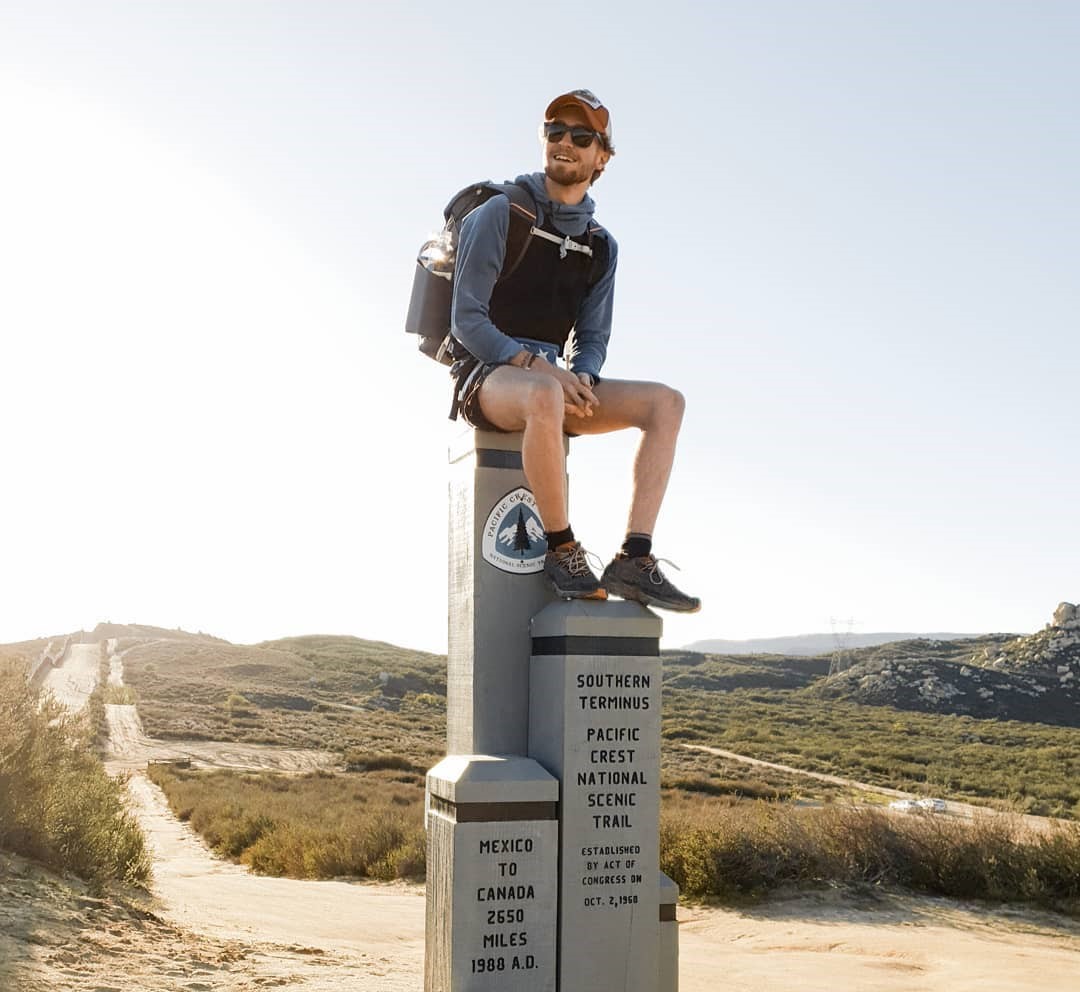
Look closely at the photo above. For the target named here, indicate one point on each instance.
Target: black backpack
(433, 281)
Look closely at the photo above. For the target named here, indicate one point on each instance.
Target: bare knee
(544, 401)
(666, 410)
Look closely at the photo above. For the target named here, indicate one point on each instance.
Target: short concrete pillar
(669, 936)
(492, 890)
(594, 723)
(497, 548)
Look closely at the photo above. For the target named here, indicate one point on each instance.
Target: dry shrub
(741, 851)
(742, 788)
(357, 760)
(57, 804)
(319, 825)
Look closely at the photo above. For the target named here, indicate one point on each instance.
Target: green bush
(57, 804)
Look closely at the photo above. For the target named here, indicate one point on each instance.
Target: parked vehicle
(905, 805)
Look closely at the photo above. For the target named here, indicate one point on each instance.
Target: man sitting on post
(557, 303)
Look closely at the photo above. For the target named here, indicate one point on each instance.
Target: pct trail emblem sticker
(513, 539)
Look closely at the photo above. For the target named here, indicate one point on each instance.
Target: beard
(567, 173)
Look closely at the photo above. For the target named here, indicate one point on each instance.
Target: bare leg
(519, 400)
(657, 411)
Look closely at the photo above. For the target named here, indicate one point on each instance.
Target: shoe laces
(576, 560)
(651, 566)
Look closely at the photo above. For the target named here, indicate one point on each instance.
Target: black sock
(636, 545)
(555, 538)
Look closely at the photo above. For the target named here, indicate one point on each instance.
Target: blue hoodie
(481, 248)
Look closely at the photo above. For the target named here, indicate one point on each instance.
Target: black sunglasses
(580, 136)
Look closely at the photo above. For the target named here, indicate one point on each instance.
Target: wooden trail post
(543, 819)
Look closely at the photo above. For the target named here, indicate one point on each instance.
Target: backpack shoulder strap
(522, 219)
(598, 240)
(522, 216)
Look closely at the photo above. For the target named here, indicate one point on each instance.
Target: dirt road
(72, 682)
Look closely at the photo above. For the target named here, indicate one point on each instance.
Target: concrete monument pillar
(492, 883)
(543, 823)
(497, 551)
(492, 886)
(594, 723)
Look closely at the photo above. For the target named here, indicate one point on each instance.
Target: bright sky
(848, 231)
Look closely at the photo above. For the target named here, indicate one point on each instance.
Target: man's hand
(577, 389)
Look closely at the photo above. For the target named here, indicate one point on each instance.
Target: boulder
(1064, 613)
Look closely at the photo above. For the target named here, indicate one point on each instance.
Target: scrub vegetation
(1007, 765)
(345, 694)
(744, 850)
(720, 848)
(321, 825)
(57, 804)
(336, 694)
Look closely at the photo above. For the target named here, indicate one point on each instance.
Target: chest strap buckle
(565, 244)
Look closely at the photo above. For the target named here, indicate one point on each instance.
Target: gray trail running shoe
(641, 579)
(567, 569)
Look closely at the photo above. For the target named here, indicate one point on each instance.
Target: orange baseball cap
(598, 116)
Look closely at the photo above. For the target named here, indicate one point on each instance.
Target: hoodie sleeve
(481, 248)
(587, 347)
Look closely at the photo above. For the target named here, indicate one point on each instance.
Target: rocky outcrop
(1053, 651)
(1065, 613)
(1032, 678)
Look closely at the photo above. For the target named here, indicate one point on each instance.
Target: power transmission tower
(842, 658)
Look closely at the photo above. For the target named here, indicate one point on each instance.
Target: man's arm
(481, 248)
(587, 347)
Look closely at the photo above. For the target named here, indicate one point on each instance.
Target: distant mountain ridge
(811, 645)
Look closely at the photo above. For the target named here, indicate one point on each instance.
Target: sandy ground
(76, 677)
(116, 662)
(836, 942)
(209, 925)
(56, 937)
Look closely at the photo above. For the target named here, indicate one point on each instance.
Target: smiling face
(568, 166)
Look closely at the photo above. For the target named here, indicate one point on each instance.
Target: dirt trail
(820, 776)
(208, 896)
(77, 676)
(116, 662)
